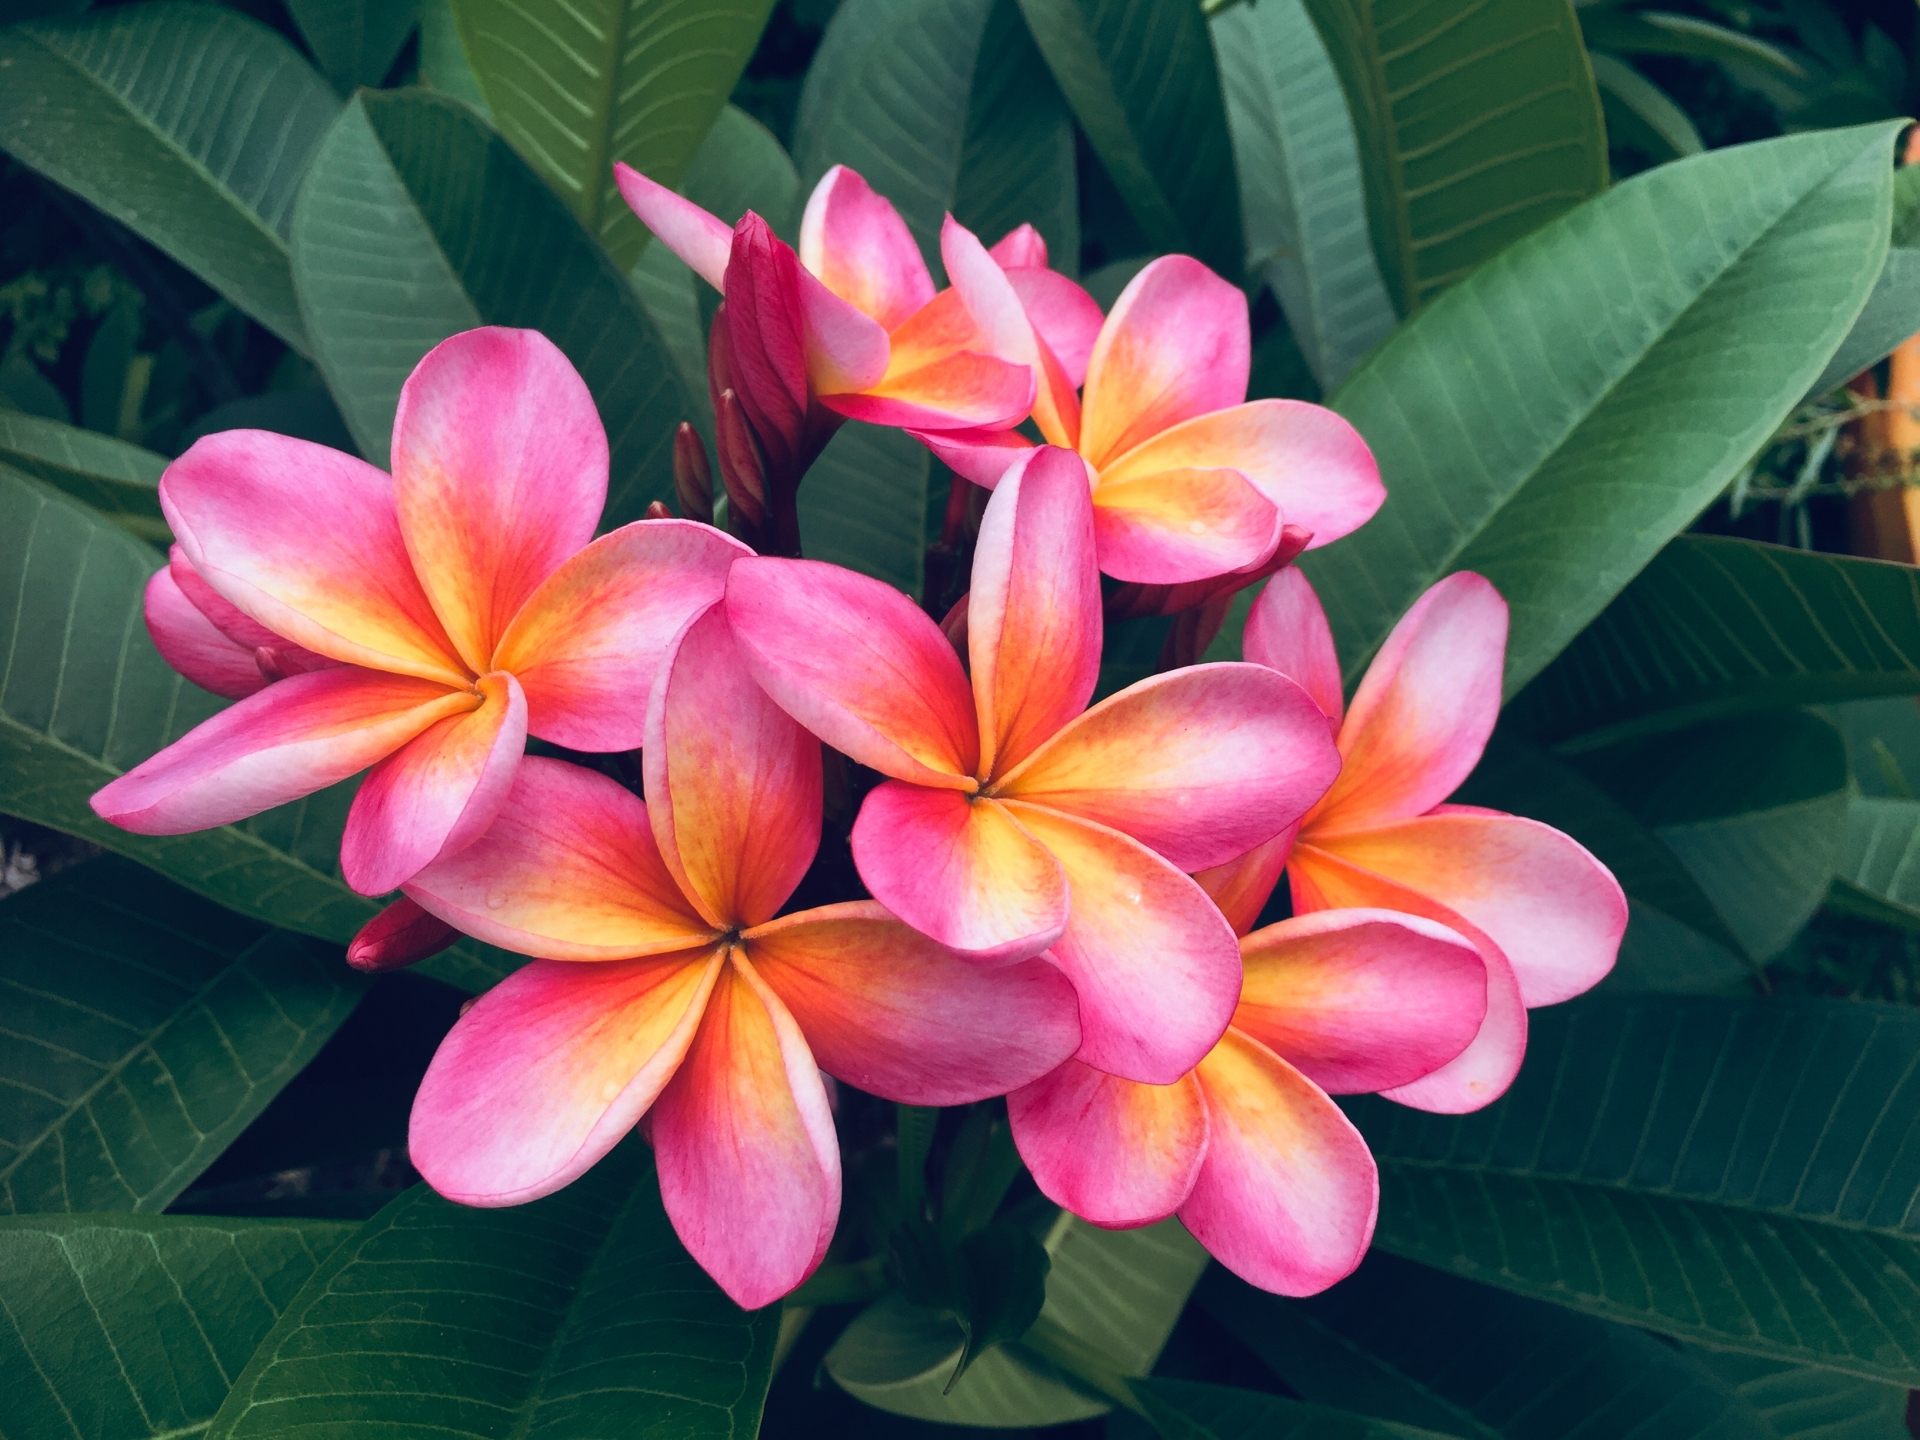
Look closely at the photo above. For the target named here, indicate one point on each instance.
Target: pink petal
(291, 739)
(567, 871)
(1067, 317)
(846, 350)
(1023, 245)
(1304, 458)
(858, 664)
(1423, 713)
(305, 540)
(549, 1071)
(957, 392)
(1361, 1000)
(221, 612)
(759, 346)
(981, 456)
(961, 870)
(1175, 346)
(700, 239)
(499, 475)
(1033, 614)
(1242, 887)
(1177, 526)
(1287, 631)
(586, 645)
(1112, 1151)
(860, 248)
(749, 1164)
(1010, 335)
(400, 935)
(196, 647)
(1156, 967)
(1200, 764)
(888, 1010)
(437, 793)
(1288, 1194)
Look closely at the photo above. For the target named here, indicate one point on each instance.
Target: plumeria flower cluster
(1059, 898)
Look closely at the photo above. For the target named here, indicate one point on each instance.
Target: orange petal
(1171, 527)
(1242, 887)
(996, 307)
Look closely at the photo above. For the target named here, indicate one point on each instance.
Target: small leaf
(1003, 1285)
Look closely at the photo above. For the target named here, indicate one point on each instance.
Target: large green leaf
(189, 124)
(578, 1315)
(1300, 187)
(1716, 627)
(1477, 125)
(1183, 1410)
(1553, 419)
(124, 1327)
(115, 478)
(145, 1028)
(417, 221)
(1141, 77)
(577, 87)
(355, 41)
(1743, 1173)
(863, 505)
(1799, 1402)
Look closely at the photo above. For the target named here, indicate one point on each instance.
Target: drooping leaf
(189, 124)
(577, 87)
(1799, 1402)
(1891, 316)
(1301, 193)
(863, 505)
(1742, 1173)
(115, 478)
(578, 1315)
(1141, 78)
(355, 41)
(145, 1027)
(125, 1327)
(1653, 32)
(416, 222)
(1184, 1410)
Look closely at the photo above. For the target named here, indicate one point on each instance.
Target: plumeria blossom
(1011, 822)
(1246, 1148)
(423, 624)
(1190, 479)
(669, 990)
(1547, 917)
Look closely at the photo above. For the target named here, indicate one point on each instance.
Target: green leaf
(1141, 77)
(115, 478)
(1650, 32)
(1552, 420)
(1002, 1273)
(1741, 1173)
(1880, 858)
(355, 41)
(124, 1326)
(416, 222)
(864, 503)
(1639, 112)
(1476, 126)
(1300, 185)
(573, 1316)
(1183, 1410)
(1660, 954)
(1716, 627)
(207, 170)
(577, 87)
(443, 58)
(1891, 316)
(145, 1028)
(1799, 1402)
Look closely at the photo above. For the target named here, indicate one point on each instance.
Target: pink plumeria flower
(1546, 916)
(1246, 1148)
(1190, 479)
(1013, 823)
(451, 610)
(695, 1007)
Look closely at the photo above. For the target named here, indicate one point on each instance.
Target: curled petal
(958, 391)
(1112, 1151)
(291, 739)
(1242, 887)
(1023, 245)
(846, 351)
(234, 622)
(888, 1010)
(995, 305)
(1067, 317)
(861, 250)
(1287, 631)
(550, 1070)
(402, 934)
(1176, 526)
(196, 647)
(981, 456)
(700, 239)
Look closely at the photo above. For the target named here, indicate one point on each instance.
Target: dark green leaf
(1651, 32)
(416, 222)
(864, 503)
(123, 1327)
(355, 41)
(1003, 1285)
(1880, 857)
(1660, 954)
(1183, 1410)
(145, 1027)
(1639, 112)
(574, 1316)
(1799, 1402)
(205, 168)
(118, 479)
(981, 1165)
(1891, 316)
(443, 57)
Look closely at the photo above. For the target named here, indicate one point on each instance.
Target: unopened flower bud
(400, 935)
(692, 476)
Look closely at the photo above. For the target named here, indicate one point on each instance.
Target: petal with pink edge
(221, 612)
(1423, 713)
(960, 870)
(1033, 614)
(1176, 345)
(196, 647)
(749, 1164)
(860, 248)
(499, 475)
(1112, 1151)
(1242, 887)
(306, 540)
(1287, 631)
(700, 239)
(549, 1071)
(1555, 911)
(995, 306)
(886, 1009)
(1156, 967)
(1067, 317)
(1176, 526)
(1022, 245)
(1361, 1000)
(586, 646)
(858, 664)
(847, 350)
(291, 739)
(567, 871)
(1288, 1194)
(437, 793)
(1200, 764)
(955, 392)
(981, 456)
